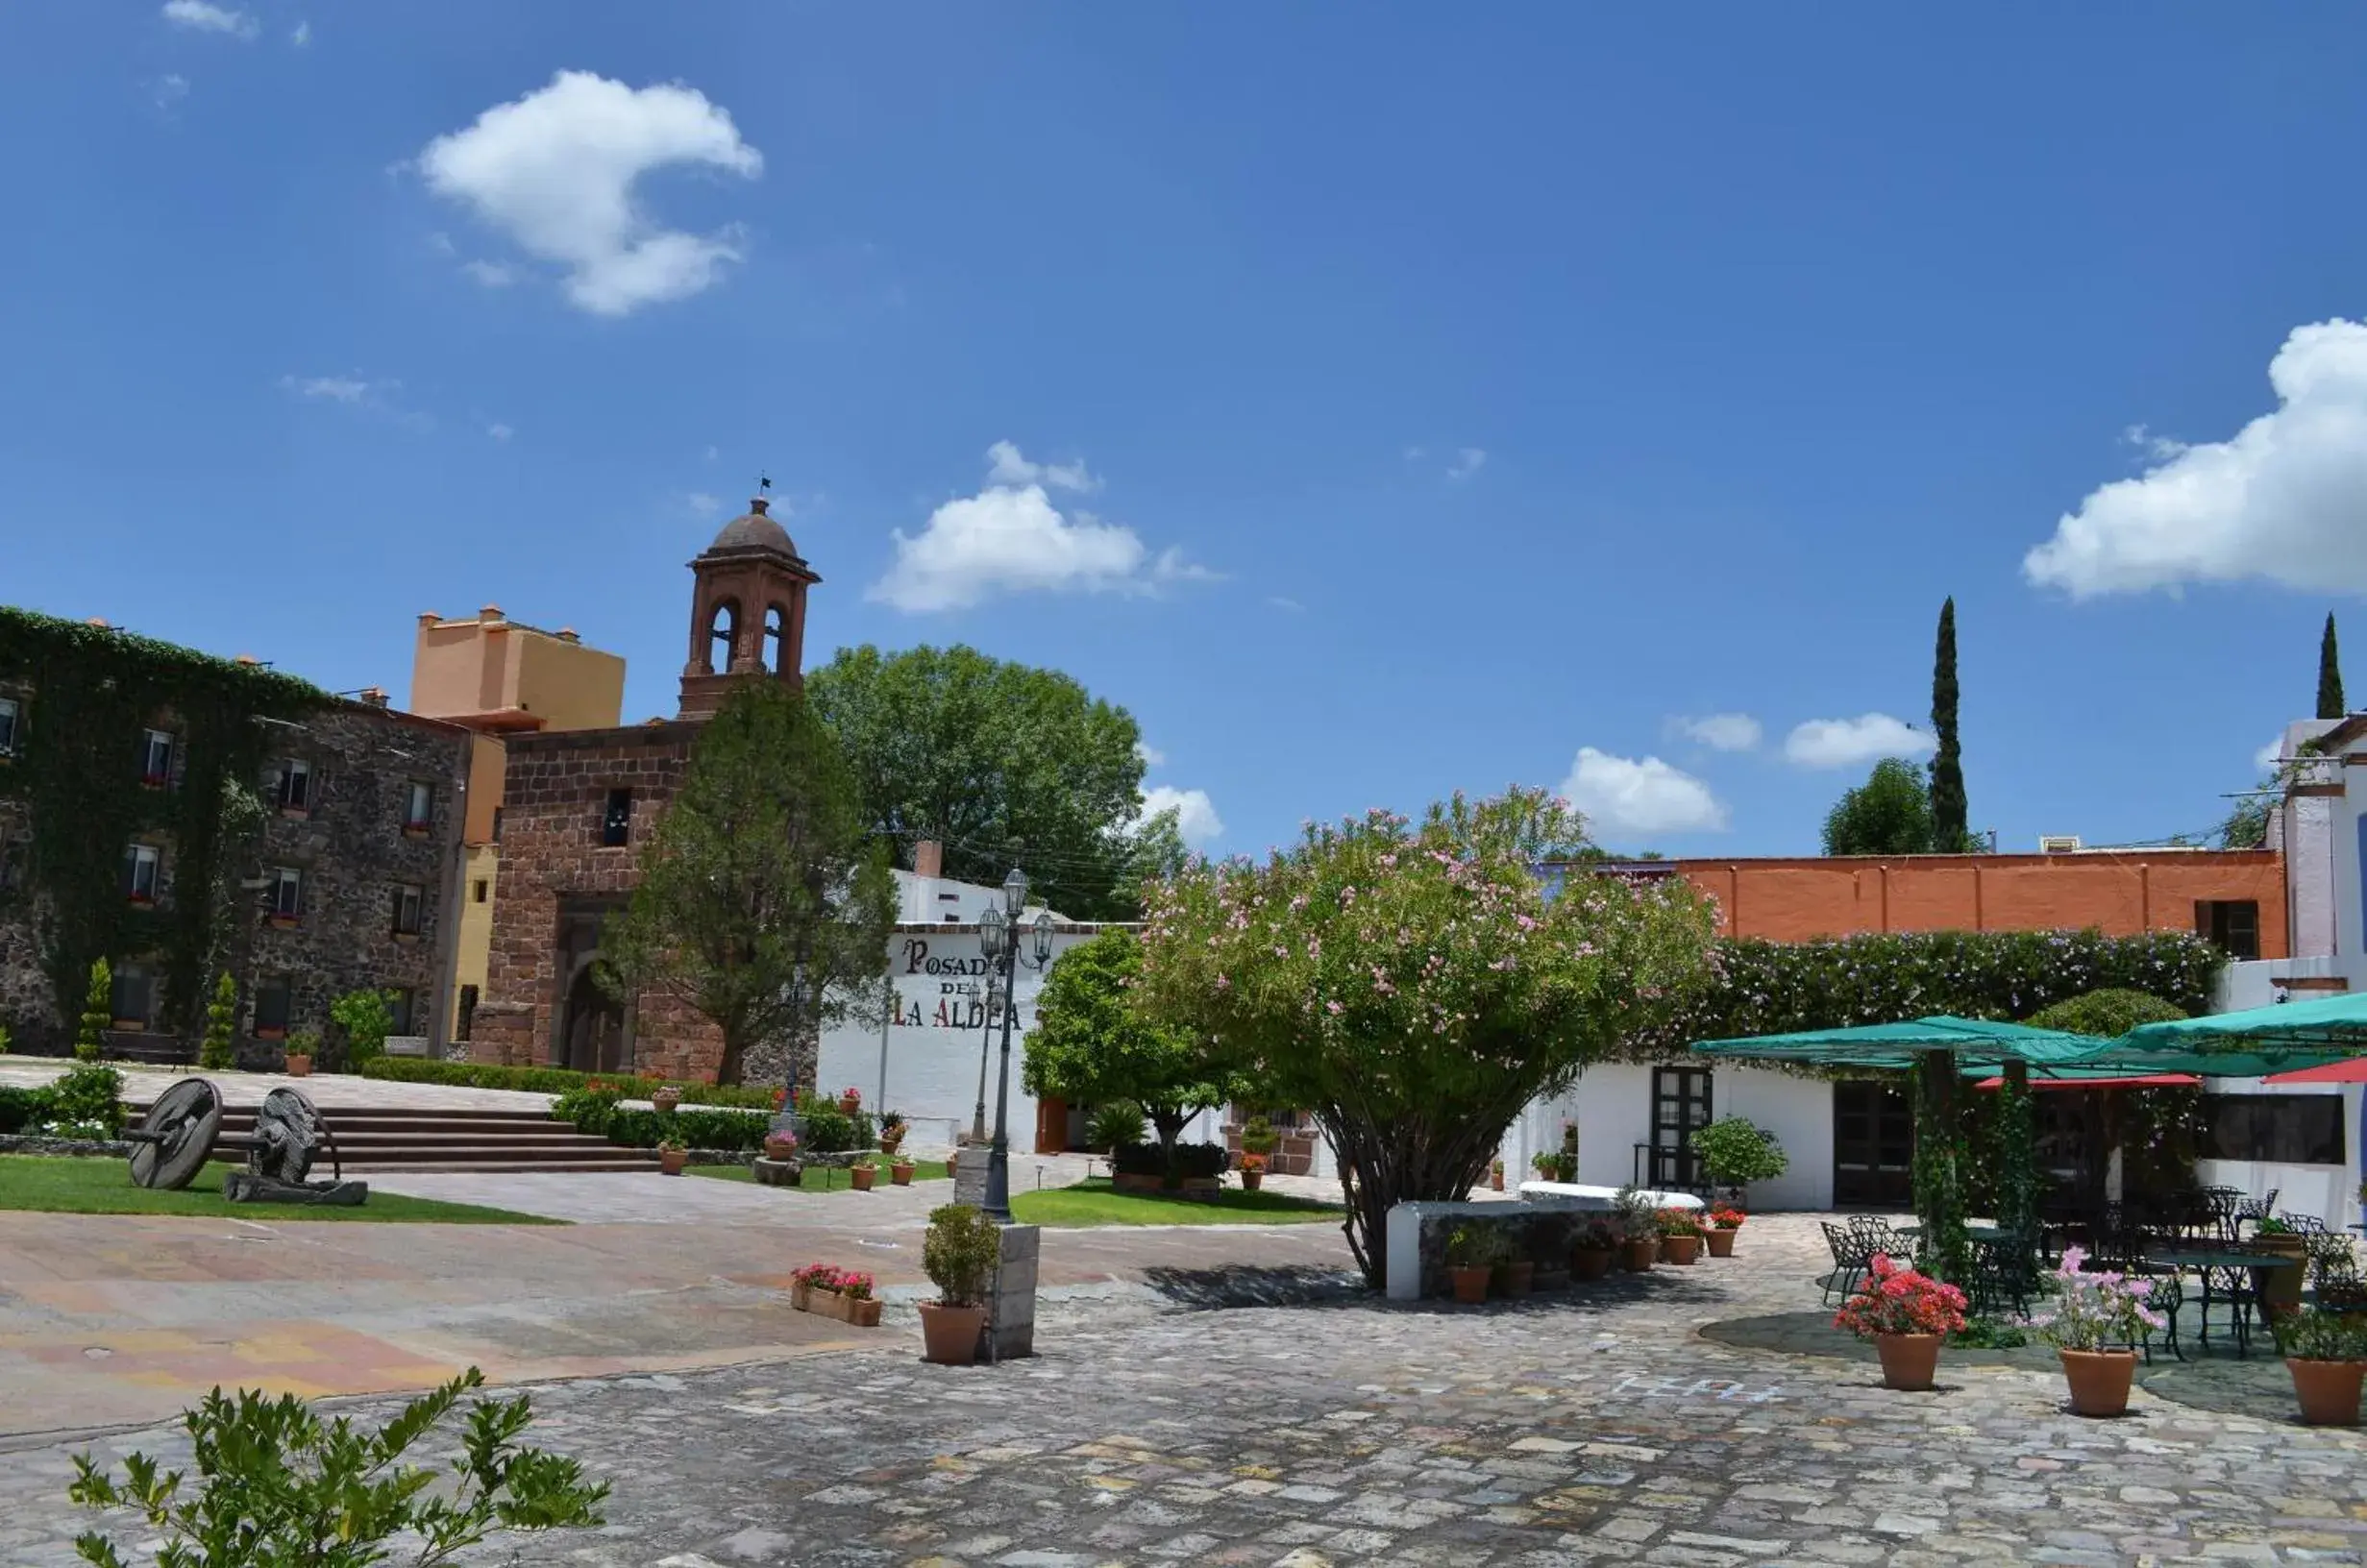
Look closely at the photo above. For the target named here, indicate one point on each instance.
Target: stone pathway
(1594, 1428)
(326, 1089)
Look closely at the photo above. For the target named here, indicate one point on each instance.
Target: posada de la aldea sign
(940, 980)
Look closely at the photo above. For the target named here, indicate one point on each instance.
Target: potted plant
(1258, 1138)
(1735, 1151)
(1596, 1246)
(1495, 1175)
(1907, 1315)
(901, 1171)
(803, 1279)
(851, 1101)
(1724, 1223)
(959, 1253)
(1680, 1234)
(1546, 1165)
(665, 1097)
(300, 1048)
(1252, 1173)
(2326, 1354)
(2281, 1282)
(1640, 1236)
(1471, 1254)
(2098, 1322)
(780, 1146)
(892, 1131)
(865, 1170)
(672, 1156)
(858, 1304)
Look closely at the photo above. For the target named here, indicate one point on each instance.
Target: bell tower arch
(747, 610)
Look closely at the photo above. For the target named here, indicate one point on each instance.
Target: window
(156, 758)
(2230, 925)
(402, 1002)
(418, 807)
(2285, 1129)
(497, 824)
(481, 890)
(295, 785)
(286, 893)
(10, 713)
(407, 902)
(616, 820)
(271, 1006)
(130, 1001)
(467, 1020)
(140, 871)
(776, 638)
(723, 636)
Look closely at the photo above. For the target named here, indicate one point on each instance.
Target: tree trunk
(1167, 1122)
(736, 1052)
(1384, 1165)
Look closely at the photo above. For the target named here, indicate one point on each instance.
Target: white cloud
(710, 454)
(1468, 460)
(2269, 755)
(204, 17)
(1284, 602)
(2284, 498)
(1621, 794)
(1196, 815)
(331, 388)
(702, 503)
(1010, 538)
(1414, 454)
(500, 431)
(491, 273)
(1011, 467)
(555, 172)
(1844, 743)
(301, 34)
(169, 90)
(1722, 731)
(1150, 755)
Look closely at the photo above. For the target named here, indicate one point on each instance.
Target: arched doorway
(593, 1033)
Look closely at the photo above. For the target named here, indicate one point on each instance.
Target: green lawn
(823, 1178)
(64, 1185)
(1094, 1202)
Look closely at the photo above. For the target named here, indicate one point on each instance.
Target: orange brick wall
(1791, 900)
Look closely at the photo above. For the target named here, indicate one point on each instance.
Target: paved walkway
(1596, 1427)
(326, 1089)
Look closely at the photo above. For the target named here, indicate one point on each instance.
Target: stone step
(415, 1137)
(496, 1168)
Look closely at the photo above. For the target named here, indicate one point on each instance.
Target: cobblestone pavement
(1598, 1426)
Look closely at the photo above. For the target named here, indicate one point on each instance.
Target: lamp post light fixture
(999, 936)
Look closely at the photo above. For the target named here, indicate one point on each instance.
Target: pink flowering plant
(1894, 1299)
(2101, 1311)
(1414, 985)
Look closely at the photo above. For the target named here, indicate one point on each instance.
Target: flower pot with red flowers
(1725, 1224)
(851, 1101)
(2326, 1351)
(1680, 1234)
(665, 1098)
(864, 1172)
(959, 1253)
(1639, 1230)
(1907, 1315)
(1472, 1252)
(1252, 1173)
(804, 1280)
(891, 1130)
(672, 1156)
(2100, 1319)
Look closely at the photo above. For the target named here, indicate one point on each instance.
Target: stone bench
(1415, 1246)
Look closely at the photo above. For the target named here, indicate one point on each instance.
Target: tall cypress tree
(1949, 834)
(2330, 675)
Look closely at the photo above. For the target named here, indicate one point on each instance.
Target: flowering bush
(1677, 1221)
(1727, 1219)
(1415, 986)
(2101, 1311)
(847, 1282)
(1894, 1299)
(1252, 1162)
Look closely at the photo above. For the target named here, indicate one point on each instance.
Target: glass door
(1873, 1145)
(1680, 1108)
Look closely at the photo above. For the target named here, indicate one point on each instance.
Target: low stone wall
(1416, 1252)
(26, 1144)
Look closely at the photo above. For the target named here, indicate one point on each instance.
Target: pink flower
(1334, 1009)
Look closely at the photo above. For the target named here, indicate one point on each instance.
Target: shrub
(2312, 1334)
(23, 1108)
(1896, 1299)
(414, 1070)
(217, 1051)
(2101, 1311)
(960, 1252)
(278, 1485)
(1115, 1122)
(1475, 1246)
(829, 1130)
(367, 1019)
(1736, 1150)
(1257, 1136)
(1192, 1161)
(98, 1012)
(88, 1095)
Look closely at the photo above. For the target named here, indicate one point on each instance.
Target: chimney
(375, 696)
(491, 612)
(247, 659)
(928, 858)
(568, 634)
(99, 621)
(429, 618)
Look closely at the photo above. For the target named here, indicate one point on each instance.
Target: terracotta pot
(1681, 1249)
(664, 1100)
(2280, 1288)
(1495, 1179)
(1721, 1243)
(1590, 1262)
(900, 1173)
(1515, 1279)
(2327, 1390)
(2099, 1379)
(863, 1314)
(950, 1335)
(864, 1176)
(1909, 1361)
(1640, 1254)
(890, 1142)
(298, 1065)
(670, 1162)
(1471, 1285)
(780, 1148)
(1252, 1180)
(851, 1103)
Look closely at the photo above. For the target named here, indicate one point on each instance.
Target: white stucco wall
(1611, 1105)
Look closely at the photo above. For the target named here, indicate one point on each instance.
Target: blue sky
(1374, 401)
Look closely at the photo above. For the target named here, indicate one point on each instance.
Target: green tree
(1889, 814)
(98, 1012)
(367, 1018)
(764, 903)
(1415, 986)
(2329, 674)
(1091, 1043)
(1949, 832)
(216, 1053)
(1000, 763)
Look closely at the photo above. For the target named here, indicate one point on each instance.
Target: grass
(1096, 1202)
(822, 1178)
(65, 1185)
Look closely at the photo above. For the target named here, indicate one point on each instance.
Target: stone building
(349, 881)
(577, 804)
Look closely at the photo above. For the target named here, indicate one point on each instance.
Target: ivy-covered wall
(73, 786)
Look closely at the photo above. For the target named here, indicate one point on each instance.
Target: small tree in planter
(2325, 1352)
(98, 1012)
(1907, 1315)
(301, 1045)
(1736, 1152)
(1472, 1252)
(2098, 1322)
(216, 1053)
(1114, 1124)
(959, 1253)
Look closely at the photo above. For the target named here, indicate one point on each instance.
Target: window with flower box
(141, 865)
(418, 808)
(407, 901)
(286, 895)
(156, 758)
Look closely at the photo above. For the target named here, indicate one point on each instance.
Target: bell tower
(747, 610)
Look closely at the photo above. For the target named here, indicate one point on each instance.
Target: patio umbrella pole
(1940, 1200)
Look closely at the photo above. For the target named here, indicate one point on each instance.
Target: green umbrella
(1982, 1042)
(2253, 1043)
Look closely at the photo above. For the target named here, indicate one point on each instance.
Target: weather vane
(764, 482)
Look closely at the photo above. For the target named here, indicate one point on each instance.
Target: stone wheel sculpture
(289, 1133)
(174, 1139)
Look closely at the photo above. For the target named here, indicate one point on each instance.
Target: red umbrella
(2352, 1072)
(2157, 1080)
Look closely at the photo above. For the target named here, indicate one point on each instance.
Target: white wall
(1611, 1105)
(2330, 1193)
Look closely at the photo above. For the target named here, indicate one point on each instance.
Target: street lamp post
(999, 935)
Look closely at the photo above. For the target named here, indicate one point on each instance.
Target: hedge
(1191, 1160)
(598, 1115)
(23, 1108)
(1768, 988)
(420, 1069)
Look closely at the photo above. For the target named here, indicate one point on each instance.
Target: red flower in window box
(280, 922)
(143, 900)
